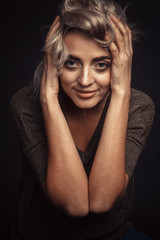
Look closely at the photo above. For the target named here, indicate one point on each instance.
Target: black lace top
(35, 217)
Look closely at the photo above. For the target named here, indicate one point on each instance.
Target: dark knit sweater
(35, 218)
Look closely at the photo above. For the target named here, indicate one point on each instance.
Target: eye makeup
(71, 65)
(99, 63)
(102, 66)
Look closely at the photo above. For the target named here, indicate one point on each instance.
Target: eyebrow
(94, 59)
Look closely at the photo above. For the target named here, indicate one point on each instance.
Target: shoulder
(142, 108)
(142, 101)
(140, 98)
(24, 100)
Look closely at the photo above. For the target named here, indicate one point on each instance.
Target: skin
(66, 184)
(85, 80)
(86, 74)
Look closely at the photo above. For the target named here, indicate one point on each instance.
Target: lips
(85, 93)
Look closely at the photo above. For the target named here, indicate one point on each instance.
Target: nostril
(85, 81)
(84, 85)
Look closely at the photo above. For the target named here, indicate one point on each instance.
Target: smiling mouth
(85, 93)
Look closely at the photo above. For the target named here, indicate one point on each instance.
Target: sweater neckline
(96, 131)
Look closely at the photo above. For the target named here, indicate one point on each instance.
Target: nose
(85, 77)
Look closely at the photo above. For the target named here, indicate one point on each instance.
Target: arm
(108, 179)
(66, 182)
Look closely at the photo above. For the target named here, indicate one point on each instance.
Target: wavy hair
(88, 16)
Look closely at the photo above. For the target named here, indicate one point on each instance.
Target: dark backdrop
(22, 35)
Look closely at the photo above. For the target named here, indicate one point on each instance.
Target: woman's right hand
(49, 85)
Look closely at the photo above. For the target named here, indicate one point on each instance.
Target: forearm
(107, 177)
(66, 180)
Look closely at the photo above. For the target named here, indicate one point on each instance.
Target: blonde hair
(88, 16)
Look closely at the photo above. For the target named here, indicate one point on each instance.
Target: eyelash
(107, 65)
(104, 64)
(70, 61)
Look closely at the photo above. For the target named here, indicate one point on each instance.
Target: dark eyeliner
(103, 69)
(71, 68)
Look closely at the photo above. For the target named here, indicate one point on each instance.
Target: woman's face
(85, 76)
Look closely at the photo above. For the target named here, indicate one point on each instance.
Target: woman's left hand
(121, 52)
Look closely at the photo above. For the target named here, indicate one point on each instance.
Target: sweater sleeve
(29, 128)
(141, 116)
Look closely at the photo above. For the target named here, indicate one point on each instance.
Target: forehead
(83, 46)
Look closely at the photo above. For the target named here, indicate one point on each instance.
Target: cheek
(105, 79)
(67, 77)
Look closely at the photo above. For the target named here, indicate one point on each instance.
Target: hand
(121, 52)
(49, 85)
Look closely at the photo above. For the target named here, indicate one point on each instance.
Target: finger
(55, 22)
(130, 39)
(121, 32)
(119, 39)
(43, 81)
(113, 49)
(45, 67)
(53, 28)
(118, 23)
(52, 31)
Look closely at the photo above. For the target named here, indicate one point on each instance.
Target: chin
(86, 104)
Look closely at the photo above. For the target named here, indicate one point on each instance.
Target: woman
(82, 130)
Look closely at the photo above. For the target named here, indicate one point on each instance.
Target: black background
(22, 39)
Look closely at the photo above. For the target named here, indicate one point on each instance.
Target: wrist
(122, 93)
(121, 97)
(49, 101)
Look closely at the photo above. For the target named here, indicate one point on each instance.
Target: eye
(102, 65)
(71, 64)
